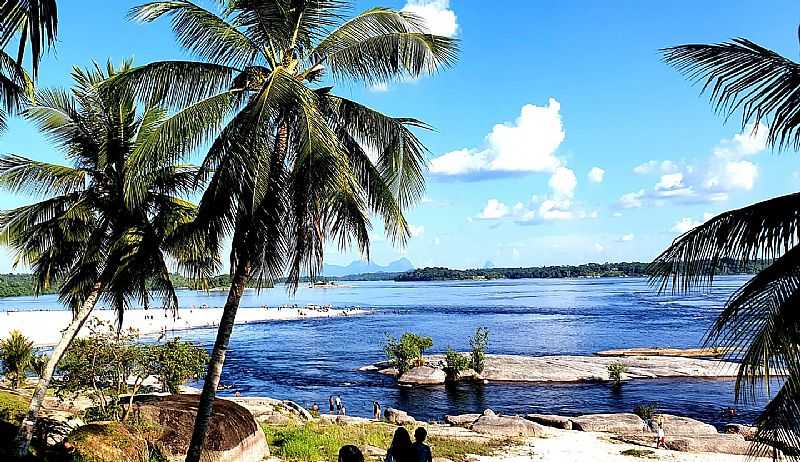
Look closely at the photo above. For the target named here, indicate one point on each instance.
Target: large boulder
(398, 417)
(747, 431)
(463, 420)
(684, 426)
(107, 442)
(233, 433)
(550, 420)
(507, 426)
(609, 423)
(422, 376)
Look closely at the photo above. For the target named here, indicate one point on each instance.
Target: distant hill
(362, 267)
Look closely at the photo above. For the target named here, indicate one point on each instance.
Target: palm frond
(35, 21)
(763, 230)
(202, 32)
(778, 425)
(743, 75)
(381, 45)
(18, 174)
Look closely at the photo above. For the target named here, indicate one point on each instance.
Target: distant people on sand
(350, 453)
(400, 450)
(376, 410)
(421, 450)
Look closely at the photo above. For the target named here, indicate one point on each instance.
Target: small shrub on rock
(615, 372)
(455, 363)
(478, 343)
(407, 352)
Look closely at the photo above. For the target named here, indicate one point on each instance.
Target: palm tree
(296, 165)
(16, 353)
(32, 21)
(759, 320)
(105, 229)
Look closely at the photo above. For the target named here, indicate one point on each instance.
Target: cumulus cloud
(438, 16)
(626, 237)
(596, 175)
(416, 231)
(563, 182)
(687, 223)
(528, 145)
(726, 170)
(494, 210)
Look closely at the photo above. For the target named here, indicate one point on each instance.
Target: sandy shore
(44, 327)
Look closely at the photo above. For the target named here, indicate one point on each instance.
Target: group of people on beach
(401, 449)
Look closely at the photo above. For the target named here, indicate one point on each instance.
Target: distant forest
(15, 285)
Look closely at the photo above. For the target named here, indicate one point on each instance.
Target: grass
(643, 453)
(12, 407)
(317, 441)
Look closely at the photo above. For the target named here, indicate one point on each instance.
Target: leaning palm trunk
(25, 433)
(214, 372)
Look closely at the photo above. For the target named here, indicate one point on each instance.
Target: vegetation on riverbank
(317, 441)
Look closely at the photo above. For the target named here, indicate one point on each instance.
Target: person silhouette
(422, 450)
(400, 450)
(350, 453)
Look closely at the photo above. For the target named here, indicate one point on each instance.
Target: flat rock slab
(684, 426)
(550, 420)
(463, 420)
(609, 423)
(720, 444)
(675, 352)
(422, 376)
(507, 426)
(564, 369)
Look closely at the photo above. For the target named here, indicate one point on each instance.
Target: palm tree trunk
(25, 433)
(206, 405)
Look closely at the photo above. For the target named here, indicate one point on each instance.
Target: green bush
(646, 410)
(455, 363)
(176, 362)
(615, 372)
(16, 354)
(407, 352)
(478, 343)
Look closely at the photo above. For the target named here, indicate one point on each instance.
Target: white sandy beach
(44, 327)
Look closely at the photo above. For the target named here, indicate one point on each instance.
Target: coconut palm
(33, 22)
(297, 165)
(759, 321)
(16, 354)
(85, 233)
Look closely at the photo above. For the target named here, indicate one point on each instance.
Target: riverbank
(44, 327)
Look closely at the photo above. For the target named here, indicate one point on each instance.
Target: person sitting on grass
(422, 450)
(401, 450)
(350, 453)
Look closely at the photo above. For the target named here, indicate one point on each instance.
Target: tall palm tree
(105, 228)
(760, 320)
(33, 22)
(296, 165)
(16, 355)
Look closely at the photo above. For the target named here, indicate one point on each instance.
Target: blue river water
(309, 360)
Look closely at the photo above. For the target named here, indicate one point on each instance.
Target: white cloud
(416, 231)
(632, 200)
(596, 174)
(626, 237)
(494, 210)
(438, 16)
(599, 247)
(687, 223)
(666, 166)
(528, 145)
(563, 182)
(725, 171)
(616, 214)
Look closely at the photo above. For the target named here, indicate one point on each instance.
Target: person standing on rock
(376, 410)
(338, 401)
(331, 402)
(422, 450)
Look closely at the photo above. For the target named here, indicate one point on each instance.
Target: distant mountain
(360, 266)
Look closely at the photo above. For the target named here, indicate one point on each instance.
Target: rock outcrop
(422, 376)
(398, 417)
(107, 442)
(507, 426)
(233, 433)
(720, 444)
(748, 432)
(463, 420)
(550, 420)
(684, 426)
(609, 423)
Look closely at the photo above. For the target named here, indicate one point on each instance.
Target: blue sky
(544, 93)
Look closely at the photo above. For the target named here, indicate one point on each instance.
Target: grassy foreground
(318, 441)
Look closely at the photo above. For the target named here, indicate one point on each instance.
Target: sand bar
(44, 327)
